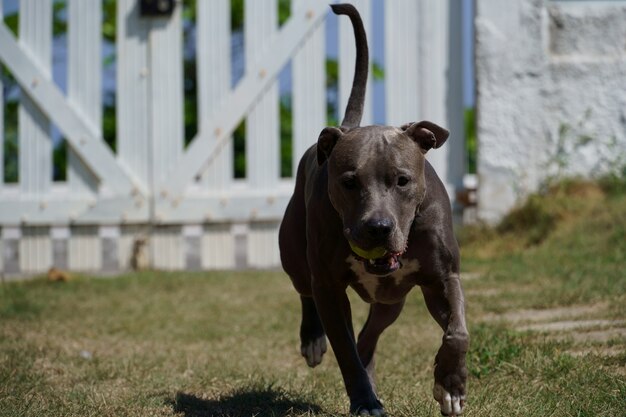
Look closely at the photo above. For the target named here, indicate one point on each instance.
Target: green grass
(226, 343)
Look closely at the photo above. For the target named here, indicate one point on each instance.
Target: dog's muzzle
(382, 266)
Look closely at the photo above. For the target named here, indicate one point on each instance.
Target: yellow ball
(378, 252)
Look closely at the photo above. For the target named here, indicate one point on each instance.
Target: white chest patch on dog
(408, 267)
(371, 282)
(368, 281)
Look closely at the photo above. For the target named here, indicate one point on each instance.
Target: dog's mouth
(382, 266)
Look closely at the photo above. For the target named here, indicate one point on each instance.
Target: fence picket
(262, 245)
(262, 126)
(213, 56)
(133, 130)
(84, 77)
(166, 92)
(218, 246)
(84, 91)
(167, 248)
(35, 144)
(347, 57)
(35, 249)
(401, 53)
(214, 79)
(309, 92)
(85, 249)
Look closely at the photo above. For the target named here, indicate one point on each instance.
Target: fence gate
(181, 207)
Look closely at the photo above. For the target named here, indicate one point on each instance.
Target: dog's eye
(402, 181)
(349, 183)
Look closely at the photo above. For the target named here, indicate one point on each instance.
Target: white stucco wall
(551, 94)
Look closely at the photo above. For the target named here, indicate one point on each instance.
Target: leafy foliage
(239, 144)
(471, 141)
(59, 161)
(10, 142)
(286, 137)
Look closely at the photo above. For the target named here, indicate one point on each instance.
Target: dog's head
(376, 183)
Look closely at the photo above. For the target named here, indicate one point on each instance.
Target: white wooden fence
(185, 202)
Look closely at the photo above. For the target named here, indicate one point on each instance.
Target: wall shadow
(243, 403)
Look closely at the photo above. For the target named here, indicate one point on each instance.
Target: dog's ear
(326, 142)
(427, 134)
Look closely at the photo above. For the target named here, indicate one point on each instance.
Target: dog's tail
(354, 109)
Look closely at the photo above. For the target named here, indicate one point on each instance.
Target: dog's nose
(378, 228)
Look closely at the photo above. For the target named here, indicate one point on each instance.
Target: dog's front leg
(446, 304)
(333, 307)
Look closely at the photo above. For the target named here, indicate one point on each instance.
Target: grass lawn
(546, 295)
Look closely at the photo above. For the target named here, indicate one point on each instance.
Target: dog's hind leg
(312, 336)
(380, 317)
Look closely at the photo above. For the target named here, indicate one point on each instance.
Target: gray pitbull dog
(370, 190)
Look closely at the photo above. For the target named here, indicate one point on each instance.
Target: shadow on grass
(245, 402)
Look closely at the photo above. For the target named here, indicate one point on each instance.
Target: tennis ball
(378, 252)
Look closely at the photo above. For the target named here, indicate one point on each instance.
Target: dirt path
(587, 327)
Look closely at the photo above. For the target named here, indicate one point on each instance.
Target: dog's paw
(373, 412)
(314, 350)
(451, 404)
(371, 408)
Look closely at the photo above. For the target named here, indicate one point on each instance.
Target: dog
(368, 211)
